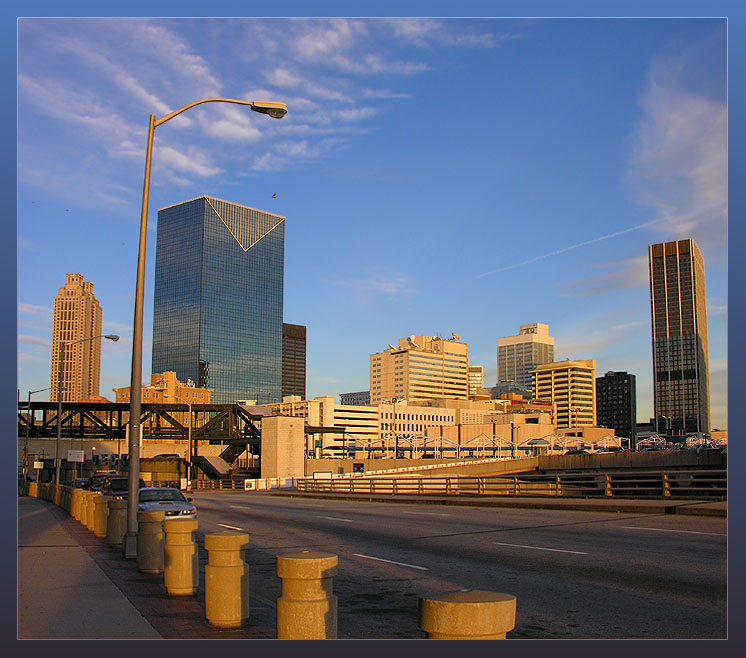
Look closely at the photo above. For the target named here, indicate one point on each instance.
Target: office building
(518, 356)
(420, 368)
(165, 388)
(681, 382)
(616, 403)
(358, 398)
(293, 360)
(476, 380)
(218, 298)
(571, 385)
(76, 319)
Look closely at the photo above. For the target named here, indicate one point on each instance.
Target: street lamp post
(274, 110)
(60, 388)
(28, 428)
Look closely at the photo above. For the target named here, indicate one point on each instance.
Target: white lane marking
(690, 532)
(540, 548)
(427, 513)
(335, 518)
(240, 506)
(401, 564)
(230, 527)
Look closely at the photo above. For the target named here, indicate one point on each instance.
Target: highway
(575, 574)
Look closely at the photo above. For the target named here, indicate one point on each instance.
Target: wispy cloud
(379, 287)
(679, 162)
(34, 340)
(43, 312)
(629, 273)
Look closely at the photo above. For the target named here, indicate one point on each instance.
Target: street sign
(76, 456)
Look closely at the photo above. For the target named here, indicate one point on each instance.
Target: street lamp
(60, 388)
(274, 110)
(189, 439)
(28, 427)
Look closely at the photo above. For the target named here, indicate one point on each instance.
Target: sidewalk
(73, 585)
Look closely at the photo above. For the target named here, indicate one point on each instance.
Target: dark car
(97, 480)
(577, 451)
(118, 486)
(79, 483)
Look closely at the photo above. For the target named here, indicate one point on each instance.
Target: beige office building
(476, 380)
(165, 388)
(420, 368)
(517, 356)
(77, 318)
(571, 385)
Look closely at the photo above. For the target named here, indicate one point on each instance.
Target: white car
(168, 500)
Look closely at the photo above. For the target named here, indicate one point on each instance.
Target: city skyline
(437, 175)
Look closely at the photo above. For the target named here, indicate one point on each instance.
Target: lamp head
(275, 110)
(113, 337)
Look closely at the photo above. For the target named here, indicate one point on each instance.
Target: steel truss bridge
(212, 423)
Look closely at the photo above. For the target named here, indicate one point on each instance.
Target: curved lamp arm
(273, 109)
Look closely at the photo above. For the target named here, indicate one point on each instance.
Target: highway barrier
(711, 484)
(226, 579)
(100, 515)
(468, 615)
(307, 609)
(116, 522)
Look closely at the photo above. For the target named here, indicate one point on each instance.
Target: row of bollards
(307, 608)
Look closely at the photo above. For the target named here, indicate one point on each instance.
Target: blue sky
(437, 175)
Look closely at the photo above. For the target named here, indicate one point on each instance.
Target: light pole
(28, 427)
(274, 110)
(60, 388)
(189, 439)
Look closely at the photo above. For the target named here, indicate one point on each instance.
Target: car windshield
(119, 485)
(156, 495)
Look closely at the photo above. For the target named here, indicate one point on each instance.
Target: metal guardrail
(710, 484)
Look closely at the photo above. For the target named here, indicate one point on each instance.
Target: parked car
(166, 499)
(576, 451)
(168, 455)
(117, 486)
(97, 480)
(79, 483)
(611, 449)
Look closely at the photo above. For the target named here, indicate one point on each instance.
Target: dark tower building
(294, 360)
(616, 403)
(217, 316)
(681, 381)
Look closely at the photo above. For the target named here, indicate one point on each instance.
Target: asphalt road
(575, 574)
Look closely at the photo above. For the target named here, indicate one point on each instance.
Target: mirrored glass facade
(218, 298)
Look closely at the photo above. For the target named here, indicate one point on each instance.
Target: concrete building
(571, 385)
(476, 380)
(359, 398)
(420, 368)
(165, 388)
(681, 379)
(218, 301)
(518, 356)
(616, 403)
(76, 317)
(293, 360)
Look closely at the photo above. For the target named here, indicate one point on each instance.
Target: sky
(438, 175)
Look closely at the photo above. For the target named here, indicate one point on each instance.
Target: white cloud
(34, 340)
(43, 312)
(679, 161)
(330, 36)
(373, 63)
(193, 162)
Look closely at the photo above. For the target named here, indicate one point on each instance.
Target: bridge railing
(710, 484)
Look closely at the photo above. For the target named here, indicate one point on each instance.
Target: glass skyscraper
(218, 298)
(681, 373)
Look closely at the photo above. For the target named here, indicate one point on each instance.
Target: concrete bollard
(307, 609)
(150, 541)
(33, 489)
(226, 579)
(181, 571)
(57, 492)
(90, 509)
(468, 615)
(76, 498)
(116, 523)
(85, 495)
(100, 515)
